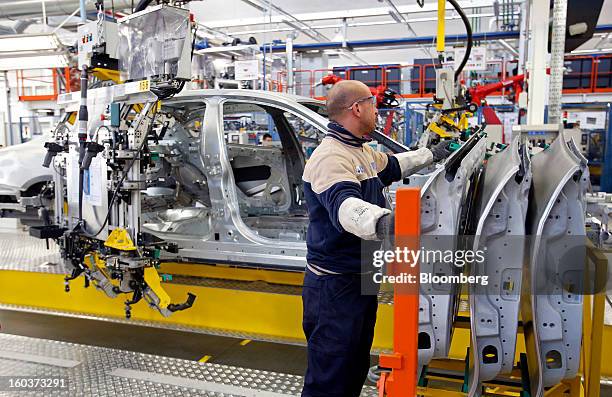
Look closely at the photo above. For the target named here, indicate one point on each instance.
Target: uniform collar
(338, 132)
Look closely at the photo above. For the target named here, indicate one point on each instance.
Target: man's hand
(441, 151)
(385, 226)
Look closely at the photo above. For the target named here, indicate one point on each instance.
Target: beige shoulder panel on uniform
(380, 159)
(329, 164)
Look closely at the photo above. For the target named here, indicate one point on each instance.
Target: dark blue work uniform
(338, 318)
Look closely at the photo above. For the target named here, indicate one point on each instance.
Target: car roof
(255, 94)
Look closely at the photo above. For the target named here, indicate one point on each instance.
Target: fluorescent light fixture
(33, 62)
(592, 51)
(29, 42)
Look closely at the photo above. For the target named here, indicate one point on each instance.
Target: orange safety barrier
(414, 84)
(353, 72)
(402, 381)
(51, 82)
(422, 84)
(302, 82)
(580, 75)
(274, 85)
(602, 81)
(429, 76)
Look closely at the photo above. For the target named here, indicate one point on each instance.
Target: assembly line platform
(97, 367)
(83, 337)
(90, 370)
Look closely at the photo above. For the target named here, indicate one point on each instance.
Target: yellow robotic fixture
(120, 239)
(120, 269)
(107, 75)
(153, 280)
(447, 125)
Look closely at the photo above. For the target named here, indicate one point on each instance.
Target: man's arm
(400, 165)
(414, 160)
(336, 187)
(395, 167)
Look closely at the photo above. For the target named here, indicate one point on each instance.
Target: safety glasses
(371, 98)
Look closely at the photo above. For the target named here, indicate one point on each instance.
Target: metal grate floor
(109, 372)
(20, 251)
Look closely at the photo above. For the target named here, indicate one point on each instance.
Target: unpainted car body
(23, 179)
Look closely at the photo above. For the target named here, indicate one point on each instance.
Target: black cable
(195, 33)
(468, 30)
(167, 93)
(82, 134)
(142, 4)
(81, 180)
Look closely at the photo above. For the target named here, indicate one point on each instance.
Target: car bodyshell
(22, 176)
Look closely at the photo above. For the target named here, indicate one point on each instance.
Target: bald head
(342, 95)
(359, 119)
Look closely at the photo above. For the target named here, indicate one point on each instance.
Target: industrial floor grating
(109, 372)
(19, 251)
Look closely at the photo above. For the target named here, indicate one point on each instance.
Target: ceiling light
(29, 42)
(592, 51)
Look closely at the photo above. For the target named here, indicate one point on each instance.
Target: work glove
(441, 151)
(385, 226)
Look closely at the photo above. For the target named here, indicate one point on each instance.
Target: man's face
(370, 116)
(267, 141)
(365, 109)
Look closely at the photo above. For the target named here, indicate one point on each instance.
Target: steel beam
(538, 49)
(557, 57)
(350, 13)
(9, 117)
(360, 24)
(23, 9)
(299, 25)
(406, 41)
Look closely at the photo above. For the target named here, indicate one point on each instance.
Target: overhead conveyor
(500, 233)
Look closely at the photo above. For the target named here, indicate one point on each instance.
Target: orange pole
(55, 83)
(422, 81)
(67, 78)
(402, 381)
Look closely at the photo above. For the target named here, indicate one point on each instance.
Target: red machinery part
(382, 94)
(480, 92)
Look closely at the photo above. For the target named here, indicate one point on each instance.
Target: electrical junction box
(445, 87)
(96, 38)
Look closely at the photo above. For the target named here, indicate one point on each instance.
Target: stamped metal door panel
(500, 235)
(441, 200)
(552, 302)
